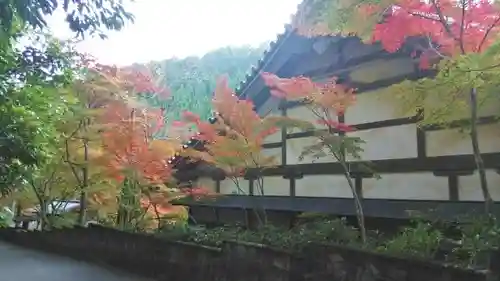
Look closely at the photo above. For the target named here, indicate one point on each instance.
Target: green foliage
(32, 96)
(340, 146)
(33, 79)
(82, 17)
(337, 145)
(423, 239)
(5, 218)
(193, 79)
(63, 220)
(445, 97)
(420, 241)
(479, 236)
(130, 212)
(328, 144)
(321, 231)
(333, 17)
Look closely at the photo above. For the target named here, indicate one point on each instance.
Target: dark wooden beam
(404, 121)
(358, 185)
(364, 126)
(217, 186)
(353, 52)
(373, 208)
(453, 189)
(421, 137)
(453, 181)
(283, 144)
(450, 164)
(462, 123)
(272, 145)
(362, 88)
(405, 165)
(421, 143)
(292, 175)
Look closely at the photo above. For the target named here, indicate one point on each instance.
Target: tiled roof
(268, 54)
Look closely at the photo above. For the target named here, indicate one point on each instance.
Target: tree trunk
(85, 183)
(43, 225)
(477, 152)
(17, 213)
(121, 215)
(358, 206)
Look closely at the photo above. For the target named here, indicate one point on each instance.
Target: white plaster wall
(407, 186)
(273, 186)
(376, 105)
(382, 69)
(435, 102)
(397, 142)
(276, 137)
(294, 148)
(453, 141)
(275, 153)
(207, 183)
(323, 186)
(302, 113)
(388, 142)
(469, 187)
(228, 186)
(270, 106)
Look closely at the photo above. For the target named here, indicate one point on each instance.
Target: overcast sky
(168, 28)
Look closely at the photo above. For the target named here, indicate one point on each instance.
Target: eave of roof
(268, 55)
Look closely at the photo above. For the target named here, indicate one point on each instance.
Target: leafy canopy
(33, 93)
(327, 101)
(234, 141)
(92, 17)
(192, 80)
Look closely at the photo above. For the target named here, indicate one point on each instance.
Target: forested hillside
(192, 79)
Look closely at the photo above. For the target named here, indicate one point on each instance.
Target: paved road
(19, 264)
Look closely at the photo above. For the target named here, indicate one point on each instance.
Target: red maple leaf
(451, 29)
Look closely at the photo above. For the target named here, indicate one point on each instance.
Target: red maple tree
(234, 141)
(454, 27)
(130, 154)
(328, 102)
(127, 138)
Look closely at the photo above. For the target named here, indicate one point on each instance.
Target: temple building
(421, 168)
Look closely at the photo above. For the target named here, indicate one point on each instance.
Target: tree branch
(71, 165)
(445, 24)
(462, 26)
(487, 33)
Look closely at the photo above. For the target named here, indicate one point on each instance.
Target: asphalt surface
(19, 264)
